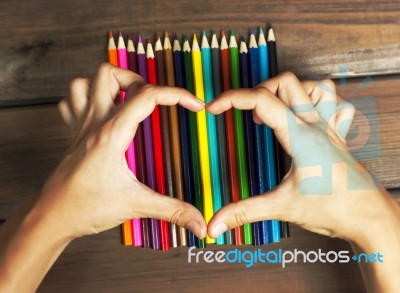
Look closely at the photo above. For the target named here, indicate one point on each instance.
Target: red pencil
(157, 144)
(230, 134)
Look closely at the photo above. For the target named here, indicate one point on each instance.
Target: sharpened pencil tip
(148, 41)
(194, 38)
(120, 34)
(204, 34)
(222, 34)
(130, 38)
(261, 30)
(232, 33)
(175, 37)
(166, 35)
(110, 34)
(185, 38)
(140, 39)
(242, 39)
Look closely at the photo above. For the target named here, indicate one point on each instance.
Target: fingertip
(218, 229)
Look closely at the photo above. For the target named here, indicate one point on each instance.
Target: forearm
(30, 244)
(382, 236)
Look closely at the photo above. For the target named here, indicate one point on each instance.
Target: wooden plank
(32, 142)
(101, 264)
(33, 139)
(46, 43)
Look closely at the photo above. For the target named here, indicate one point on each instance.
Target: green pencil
(239, 133)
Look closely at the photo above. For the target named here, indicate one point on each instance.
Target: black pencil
(273, 69)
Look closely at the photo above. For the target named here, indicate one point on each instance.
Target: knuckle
(240, 216)
(77, 83)
(178, 213)
(329, 82)
(104, 68)
(288, 76)
(260, 93)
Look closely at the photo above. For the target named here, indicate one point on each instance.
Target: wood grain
(46, 43)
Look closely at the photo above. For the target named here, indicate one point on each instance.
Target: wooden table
(47, 43)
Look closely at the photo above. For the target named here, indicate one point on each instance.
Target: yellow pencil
(202, 135)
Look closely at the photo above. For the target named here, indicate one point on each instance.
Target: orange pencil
(127, 231)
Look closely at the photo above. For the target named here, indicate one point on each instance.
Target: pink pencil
(130, 152)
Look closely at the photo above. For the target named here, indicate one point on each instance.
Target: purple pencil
(148, 145)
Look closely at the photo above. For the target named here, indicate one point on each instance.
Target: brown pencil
(165, 133)
(174, 127)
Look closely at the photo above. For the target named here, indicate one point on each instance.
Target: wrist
(32, 243)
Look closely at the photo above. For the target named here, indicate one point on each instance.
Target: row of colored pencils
(206, 160)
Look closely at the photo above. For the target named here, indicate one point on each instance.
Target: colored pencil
(230, 135)
(223, 160)
(183, 116)
(132, 56)
(249, 131)
(148, 145)
(202, 135)
(194, 144)
(273, 65)
(211, 130)
(270, 165)
(159, 56)
(141, 176)
(258, 132)
(239, 134)
(157, 145)
(113, 53)
(132, 65)
(174, 132)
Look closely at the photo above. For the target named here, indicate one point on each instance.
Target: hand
(326, 190)
(92, 189)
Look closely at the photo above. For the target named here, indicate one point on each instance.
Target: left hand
(92, 189)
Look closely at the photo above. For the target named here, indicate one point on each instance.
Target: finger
(287, 87)
(67, 113)
(150, 204)
(323, 97)
(266, 108)
(108, 82)
(344, 118)
(141, 100)
(79, 96)
(261, 207)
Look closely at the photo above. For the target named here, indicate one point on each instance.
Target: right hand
(326, 190)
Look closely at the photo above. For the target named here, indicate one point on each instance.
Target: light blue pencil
(211, 129)
(273, 226)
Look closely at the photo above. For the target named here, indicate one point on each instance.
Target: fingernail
(219, 229)
(194, 227)
(201, 102)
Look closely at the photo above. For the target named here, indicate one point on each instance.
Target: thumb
(267, 206)
(150, 204)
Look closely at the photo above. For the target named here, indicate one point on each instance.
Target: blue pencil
(258, 135)
(211, 130)
(183, 117)
(249, 132)
(270, 165)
